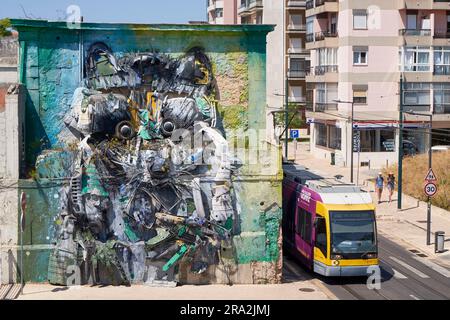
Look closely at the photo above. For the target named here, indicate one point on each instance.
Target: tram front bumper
(343, 271)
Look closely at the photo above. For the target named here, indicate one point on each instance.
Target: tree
(5, 26)
(294, 117)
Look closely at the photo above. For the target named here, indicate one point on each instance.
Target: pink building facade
(359, 50)
(222, 11)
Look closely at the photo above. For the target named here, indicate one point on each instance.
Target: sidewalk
(301, 290)
(407, 226)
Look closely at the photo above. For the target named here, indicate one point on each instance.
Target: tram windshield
(353, 232)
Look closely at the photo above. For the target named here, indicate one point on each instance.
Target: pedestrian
(379, 184)
(390, 185)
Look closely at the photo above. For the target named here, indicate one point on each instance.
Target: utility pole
(286, 116)
(400, 146)
(352, 135)
(430, 165)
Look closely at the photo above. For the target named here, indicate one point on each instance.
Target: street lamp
(352, 136)
(430, 152)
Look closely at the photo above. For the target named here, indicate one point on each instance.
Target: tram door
(303, 236)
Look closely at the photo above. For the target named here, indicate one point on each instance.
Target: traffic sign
(430, 176)
(430, 189)
(295, 133)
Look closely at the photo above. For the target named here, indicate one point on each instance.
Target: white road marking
(399, 275)
(407, 266)
(414, 297)
(434, 266)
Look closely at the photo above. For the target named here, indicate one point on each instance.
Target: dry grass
(414, 172)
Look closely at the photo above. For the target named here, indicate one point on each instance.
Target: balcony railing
(297, 99)
(442, 70)
(310, 37)
(415, 32)
(321, 70)
(297, 74)
(321, 35)
(441, 109)
(309, 4)
(321, 107)
(249, 4)
(296, 27)
(296, 3)
(322, 2)
(297, 51)
(442, 34)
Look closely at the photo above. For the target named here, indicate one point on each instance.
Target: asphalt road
(406, 275)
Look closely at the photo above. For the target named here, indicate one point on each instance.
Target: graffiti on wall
(150, 182)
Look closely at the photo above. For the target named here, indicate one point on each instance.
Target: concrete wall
(51, 73)
(11, 154)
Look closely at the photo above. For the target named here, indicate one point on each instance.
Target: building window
(359, 19)
(335, 138)
(442, 60)
(304, 224)
(321, 135)
(219, 13)
(411, 20)
(376, 140)
(415, 59)
(441, 98)
(295, 45)
(328, 136)
(297, 65)
(417, 94)
(448, 21)
(360, 94)
(360, 56)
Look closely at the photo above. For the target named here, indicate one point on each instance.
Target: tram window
(304, 225)
(321, 236)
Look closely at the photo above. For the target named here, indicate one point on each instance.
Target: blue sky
(133, 11)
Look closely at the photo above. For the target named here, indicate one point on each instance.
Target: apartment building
(222, 11)
(359, 50)
(287, 59)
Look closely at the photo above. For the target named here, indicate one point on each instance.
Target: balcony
(321, 35)
(322, 107)
(250, 6)
(322, 2)
(297, 74)
(310, 37)
(294, 50)
(442, 70)
(424, 4)
(442, 34)
(441, 109)
(315, 7)
(297, 99)
(297, 27)
(415, 32)
(296, 4)
(322, 70)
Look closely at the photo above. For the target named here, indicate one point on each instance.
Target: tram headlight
(335, 262)
(336, 257)
(371, 256)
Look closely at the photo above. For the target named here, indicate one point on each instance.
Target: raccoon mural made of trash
(151, 180)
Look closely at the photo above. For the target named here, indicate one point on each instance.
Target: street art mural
(137, 155)
(141, 198)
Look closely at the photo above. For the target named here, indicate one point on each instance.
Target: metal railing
(321, 35)
(415, 32)
(310, 37)
(321, 107)
(442, 34)
(322, 2)
(321, 70)
(309, 4)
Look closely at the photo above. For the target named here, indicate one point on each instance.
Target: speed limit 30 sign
(430, 189)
